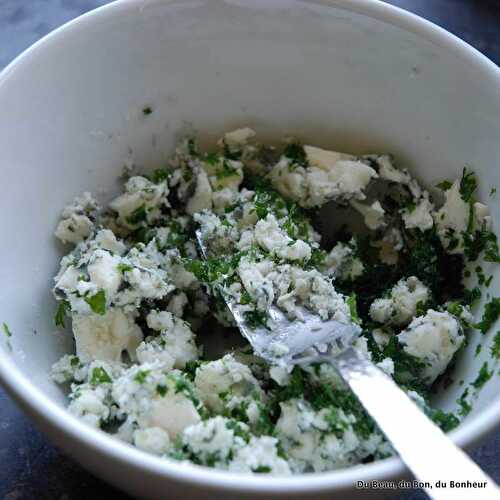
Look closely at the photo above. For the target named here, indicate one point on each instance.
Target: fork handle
(425, 449)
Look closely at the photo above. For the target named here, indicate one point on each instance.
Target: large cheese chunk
(401, 304)
(105, 337)
(328, 176)
(433, 339)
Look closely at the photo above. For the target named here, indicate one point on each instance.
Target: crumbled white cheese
(387, 366)
(259, 455)
(452, 219)
(138, 264)
(420, 217)
(342, 262)
(329, 176)
(88, 404)
(68, 369)
(390, 245)
(225, 375)
(77, 219)
(400, 306)
(202, 197)
(389, 172)
(106, 337)
(104, 273)
(236, 138)
(149, 396)
(434, 339)
(213, 440)
(310, 288)
(140, 195)
(273, 239)
(175, 344)
(314, 442)
(152, 439)
(373, 214)
(381, 337)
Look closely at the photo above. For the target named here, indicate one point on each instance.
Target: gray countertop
(30, 467)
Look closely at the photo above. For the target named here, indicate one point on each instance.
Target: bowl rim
(42, 408)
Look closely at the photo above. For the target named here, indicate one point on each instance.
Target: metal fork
(424, 448)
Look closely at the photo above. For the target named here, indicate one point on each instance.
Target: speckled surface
(30, 467)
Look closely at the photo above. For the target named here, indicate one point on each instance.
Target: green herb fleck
(465, 406)
(147, 110)
(137, 216)
(479, 347)
(490, 315)
(318, 257)
(495, 347)
(351, 302)
(226, 170)
(159, 175)
(468, 185)
(161, 390)
(6, 329)
(262, 469)
(245, 298)
(295, 152)
(256, 319)
(212, 158)
(191, 367)
(62, 309)
(97, 302)
(472, 296)
(141, 376)
(421, 308)
(100, 376)
(192, 146)
(75, 361)
(446, 421)
(483, 376)
(445, 185)
(123, 268)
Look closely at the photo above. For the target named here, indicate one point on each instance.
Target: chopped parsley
(444, 185)
(472, 296)
(478, 241)
(351, 302)
(446, 421)
(245, 298)
(137, 216)
(141, 376)
(100, 376)
(161, 390)
(490, 315)
(483, 376)
(147, 110)
(6, 330)
(192, 146)
(463, 403)
(256, 319)
(295, 152)
(97, 302)
(468, 184)
(160, 175)
(495, 347)
(62, 309)
(262, 469)
(226, 170)
(123, 268)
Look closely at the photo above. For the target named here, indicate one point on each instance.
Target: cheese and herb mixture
(144, 306)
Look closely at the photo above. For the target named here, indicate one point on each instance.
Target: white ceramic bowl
(356, 75)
